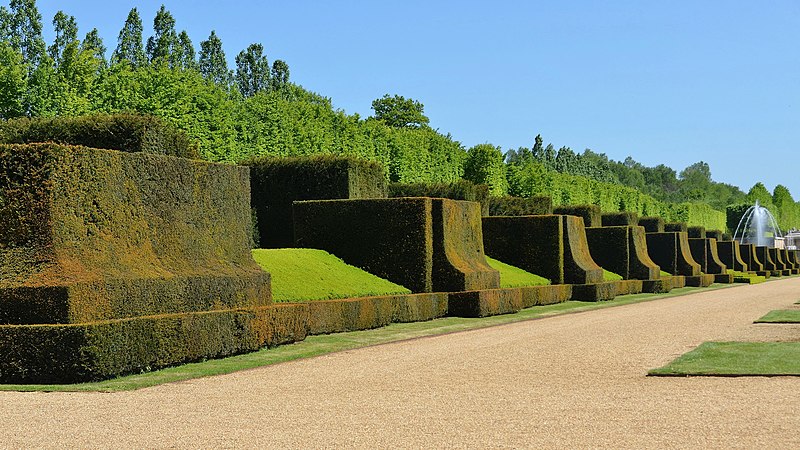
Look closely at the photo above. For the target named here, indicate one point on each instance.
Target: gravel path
(570, 381)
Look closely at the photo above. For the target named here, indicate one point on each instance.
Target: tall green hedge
(652, 224)
(124, 132)
(519, 206)
(622, 250)
(277, 182)
(618, 219)
(670, 250)
(589, 213)
(458, 190)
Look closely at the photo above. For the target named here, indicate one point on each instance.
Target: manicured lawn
(324, 344)
(511, 276)
(301, 274)
(611, 276)
(781, 316)
(736, 359)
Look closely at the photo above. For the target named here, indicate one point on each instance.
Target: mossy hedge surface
(696, 232)
(595, 292)
(715, 234)
(765, 257)
(704, 252)
(89, 235)
(519, 206)
(676, 227)
(789, 258)
(123, 132)
(94, 351)
(484, 303)
(622, 250)
(623, 218)
(551, 246)
(652, 224)
(590, 213)
(277, 182)
(459, 262)
(750, 257)
(670, 250)
(458, 190)
(777, 258)
(730, 255)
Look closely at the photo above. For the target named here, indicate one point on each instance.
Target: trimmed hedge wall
(552, 246)
(715, 234)
(277, 182)
(518, 206)
(788, 259)
(696, 232)
(730, 255)
(423, 244)
(749, 256)
(776, 258)
(696, 214)
(704, 252)
(625, 218)
(652, 224)
(622, 250)
(589, 213)
(676, 227)
(670, 250)
(766, 259)
(123, 132)
(458, 190)
(89, 235)
(95, 351)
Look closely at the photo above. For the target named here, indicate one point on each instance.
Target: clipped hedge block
(765, 256)
(424, 244)
(660, 286)
(696, 232)
(351, 314)
(589, 213)
(458, 190)
(749, 256)
(88, 235)
(787, 259)
(419, 307)
(95, 351)
(676, 227)
(595, 292)
(545, 295)
(552, 246)
(724, 278)
(622, 250)
(730, 255)
(715, 234)
(702, 280)
(777, 257)
(123, 132)
(678, 281)
(670, 250)
(704, 252)
(520, 206)
(484, 303)
(629, 287)
(277, 182)
(620, 219)
(652, 224)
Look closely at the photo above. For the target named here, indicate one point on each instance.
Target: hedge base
(628, 287)
(95, 351)
(595, 292)
(660, 286)
(678, 281)
(353, 314)
(724, 278)
(704, 280)
(488, 302)
(545, 295)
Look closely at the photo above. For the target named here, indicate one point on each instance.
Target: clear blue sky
(671, 82)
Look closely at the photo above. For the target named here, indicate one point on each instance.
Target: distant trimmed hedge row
(458, 190)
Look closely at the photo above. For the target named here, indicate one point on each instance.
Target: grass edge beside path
(324, 344)
(735, 359)
(781, 316)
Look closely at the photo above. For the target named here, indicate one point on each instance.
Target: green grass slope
(511, 276)
(301, 274)
(736, 359)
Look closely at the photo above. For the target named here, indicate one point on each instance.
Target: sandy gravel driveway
(570, 381)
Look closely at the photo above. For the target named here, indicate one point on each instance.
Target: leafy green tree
(93, 43)
(213, 65)
(399, 112)
(129, 43)
(66, 30)
(23, 25)
(163, 45)
(13, 75)
(252, 70)
(185, 51)
(280, 75)
(484, 165)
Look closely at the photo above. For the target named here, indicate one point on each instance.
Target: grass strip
(511, 276)
(781, 316)
(736, 359)
(330, 343)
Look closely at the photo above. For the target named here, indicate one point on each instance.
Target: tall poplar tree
(185, 52)
(66, 30)
(213, 64)
(163, 44)
(129, 43)
(94, 44)
(280, 74)
(23, 25)
(252, 70)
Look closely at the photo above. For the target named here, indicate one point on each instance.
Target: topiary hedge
(519, 206)
(676, 227)
(423, 244)
(552, 246)
(590, 213)
(624, 218)
(88, 235)
(704, 252)
(277, 182)
(622, 250)
(729, 254)
(695, 232)
(715, 234)
(670, 250)
(749, 256)
(458, 190)
(652, 224)
(123, 132)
